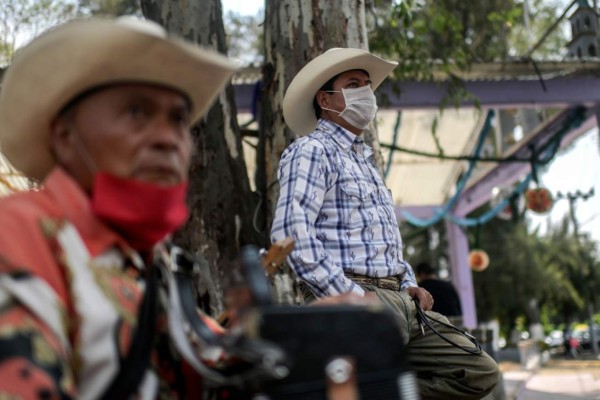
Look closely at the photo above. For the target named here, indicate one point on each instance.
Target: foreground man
(335, 205)
(99, 111)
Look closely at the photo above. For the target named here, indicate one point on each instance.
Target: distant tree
(515, 279)
(538, 16)
(110, 7)
(21, 20)
(245, 37)
(532, 275)
(439, 36)
(575, 260)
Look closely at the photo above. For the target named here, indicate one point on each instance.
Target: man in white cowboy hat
(99, 112)
(334, 204)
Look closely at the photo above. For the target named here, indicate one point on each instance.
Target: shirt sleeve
(33, 333)
(302, 178)
(410, 280)
(33, 363)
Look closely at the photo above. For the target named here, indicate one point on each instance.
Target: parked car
(555, 339)
(586, 339)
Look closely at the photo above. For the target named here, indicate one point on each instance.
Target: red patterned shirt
(70, 290)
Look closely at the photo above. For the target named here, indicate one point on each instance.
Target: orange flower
(539, 200)
(478, 260)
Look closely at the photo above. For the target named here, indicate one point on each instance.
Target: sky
(574, 168)
(243, 7)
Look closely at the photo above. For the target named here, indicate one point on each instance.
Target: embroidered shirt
(70, 290)
(336, 207)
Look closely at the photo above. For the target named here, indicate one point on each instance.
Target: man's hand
(424, 297)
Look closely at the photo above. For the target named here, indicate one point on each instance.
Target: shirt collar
(76, 207)
(343, 137)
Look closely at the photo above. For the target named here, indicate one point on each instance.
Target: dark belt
(388, 282)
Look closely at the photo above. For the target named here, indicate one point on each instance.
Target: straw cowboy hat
(298, 109)
(81, 55)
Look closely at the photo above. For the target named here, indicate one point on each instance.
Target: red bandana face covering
(143, 213)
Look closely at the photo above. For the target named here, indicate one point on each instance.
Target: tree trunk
(295, 33)
(220, 199)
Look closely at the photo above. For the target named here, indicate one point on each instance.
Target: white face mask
(361, 106)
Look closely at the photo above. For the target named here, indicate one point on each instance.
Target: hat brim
(84, 54)
(298, 109)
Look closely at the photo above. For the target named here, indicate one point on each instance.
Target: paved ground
(557, 379)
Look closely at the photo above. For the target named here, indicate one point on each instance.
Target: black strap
(423, 319)
(134, 366)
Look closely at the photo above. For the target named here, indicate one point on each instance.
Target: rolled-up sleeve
(409, 277)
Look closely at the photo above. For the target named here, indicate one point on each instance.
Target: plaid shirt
(336, 207)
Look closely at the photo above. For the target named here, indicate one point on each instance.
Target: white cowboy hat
(81, 55)
(298, 109)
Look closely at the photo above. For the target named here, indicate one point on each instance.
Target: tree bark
(296, 32)
(220, 199)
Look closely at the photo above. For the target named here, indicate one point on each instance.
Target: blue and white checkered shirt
(336, 207)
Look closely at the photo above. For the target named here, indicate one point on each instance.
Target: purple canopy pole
(562, 91)
(458, 247)
(461, 273)
(506, 93)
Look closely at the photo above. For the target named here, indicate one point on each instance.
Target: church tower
(584, 32)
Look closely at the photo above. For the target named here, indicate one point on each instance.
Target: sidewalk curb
(516, 392)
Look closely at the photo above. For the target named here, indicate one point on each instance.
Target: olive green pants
(443, 371)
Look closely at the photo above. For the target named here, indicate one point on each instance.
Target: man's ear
(322, 99)
(61, 138)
